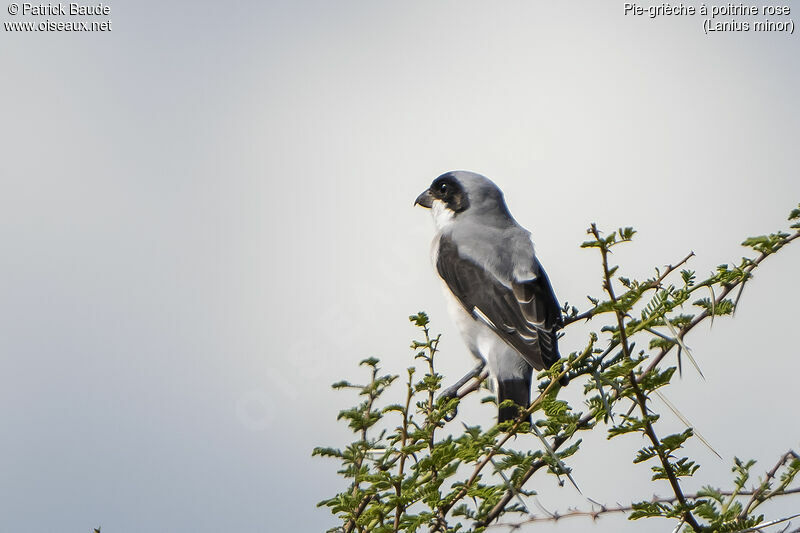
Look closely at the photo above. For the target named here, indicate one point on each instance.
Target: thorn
(687, 423)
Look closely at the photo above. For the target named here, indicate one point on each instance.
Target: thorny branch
(757, 496)
(641, 399)
(600, 509)
(587, 419)
(351, 524)
(586, 315)
(705, 314)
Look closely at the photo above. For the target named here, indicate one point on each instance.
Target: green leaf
(420, 319)
(627, 233)
(766, 244)
(645, 454)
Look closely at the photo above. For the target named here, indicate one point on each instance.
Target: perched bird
(498, 294)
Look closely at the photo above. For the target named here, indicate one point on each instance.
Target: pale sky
(206, 219)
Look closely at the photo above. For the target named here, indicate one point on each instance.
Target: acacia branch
(609, 286)
(648, 285)
(601, 509)
(404, 437)
(511, 432)
(351, 523)
(651, 434)
(757, 496)
(725, 291)
(585, 421)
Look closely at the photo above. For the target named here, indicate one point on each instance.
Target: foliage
(412, 469)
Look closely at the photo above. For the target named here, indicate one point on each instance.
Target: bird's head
(460, 191)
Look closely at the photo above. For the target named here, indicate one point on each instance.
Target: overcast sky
(206, 219)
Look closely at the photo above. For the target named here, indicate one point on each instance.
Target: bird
(498, 293)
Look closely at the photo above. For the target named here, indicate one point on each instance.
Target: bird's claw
(448, 394)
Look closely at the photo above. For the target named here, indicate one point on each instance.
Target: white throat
(442, 216)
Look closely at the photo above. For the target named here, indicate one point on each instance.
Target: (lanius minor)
(498, 294)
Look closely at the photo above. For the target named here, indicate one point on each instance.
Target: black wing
(525, 315)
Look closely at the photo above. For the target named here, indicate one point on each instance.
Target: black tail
(518, 390)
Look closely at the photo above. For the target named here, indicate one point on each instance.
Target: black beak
(425, 199)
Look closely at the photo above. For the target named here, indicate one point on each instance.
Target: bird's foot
(448, 394)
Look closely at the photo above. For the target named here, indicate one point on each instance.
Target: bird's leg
(452, 390)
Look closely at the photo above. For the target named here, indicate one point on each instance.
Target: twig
(399, 484)
(595, 514)
(351, 524)
(586, 315)
(753, 502)
(705, 313)
(609, 287)
(651, 434)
